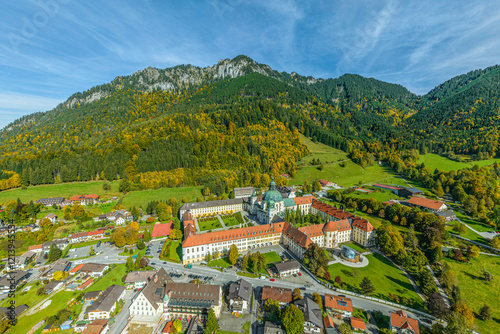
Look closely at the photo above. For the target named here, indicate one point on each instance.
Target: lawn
(242, 273)
(230, 221)
(379, 195)
(143, 197)
(433, 161)
(272, 257)
(65, 190)
(355, 246)
(320, 151)
(175, 251)
(111, 278)
(385, 278)
(476, 291)
(29, 298)
(89, 243)
(206, 224)
(221, 263)
(58, 302)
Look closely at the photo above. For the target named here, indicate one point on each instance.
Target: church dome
(272, 194)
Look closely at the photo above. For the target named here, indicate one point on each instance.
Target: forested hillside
(237, 123)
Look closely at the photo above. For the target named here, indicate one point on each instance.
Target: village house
(59, 265)
(106, 303)
(357, 324)
(98, 326)
(93, 295)
(282, 295)
(339, 306)
(84, 199)
(50, 201)
(429, 204)
(286, 268)
(401, 323)
(448, 215)
(51, 217)
(94, 269)
(313, 323)
(13, 277)
(139, 279)
(239, 295)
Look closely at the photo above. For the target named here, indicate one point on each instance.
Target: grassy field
(111, 278)
(230, 221)
(209, 224)
(433, 161)
(379, 195)
(58, 302)
(476, 291)
(385, 278)
(65, 190)
(143, 197)
(478, 226)
(350, 175)
(221, 263)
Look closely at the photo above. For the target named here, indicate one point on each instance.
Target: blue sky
(51, 49)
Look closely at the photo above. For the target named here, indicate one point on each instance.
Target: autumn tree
(296, 295)
(233, 254)
(318, 300)
(293, 320)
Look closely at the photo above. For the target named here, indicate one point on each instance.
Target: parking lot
(153, 248)
(75, 253)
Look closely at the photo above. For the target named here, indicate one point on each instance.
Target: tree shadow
(347, 272)
(405, 285)
(471, 275)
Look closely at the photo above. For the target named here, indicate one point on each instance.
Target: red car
(272, 279)
(300, 274)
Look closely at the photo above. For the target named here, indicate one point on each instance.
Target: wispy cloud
(86, 43)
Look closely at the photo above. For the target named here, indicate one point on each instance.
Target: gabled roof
(228, 235)
(312, 311)
(357, 323)
(426, 203)
(303, 200)
(282, 295)
(338, 303)
(35, 247)
(106, 301)
(363, 224)
(312, 230)
(338, 225)
(286, 265)
(240, 289)
(401, 320)
(385, 186)
(297, 236)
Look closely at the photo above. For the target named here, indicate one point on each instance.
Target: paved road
(121, 320)
(486, 235)
(227, 276)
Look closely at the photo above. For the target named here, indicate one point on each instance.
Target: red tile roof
(303, 200)
(338, 225)
(162, 230)
(357, 323)
(35, 247)
(400, 319)
(426, 203)
(328, 320)
(363, 224)
(168, 327)
(282, 295)
(76, 269)
(312, 230)
(333, 303)
(297, 236)
(81, 197)
(385, 186)
(245, 232)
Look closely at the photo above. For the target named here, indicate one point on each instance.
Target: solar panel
(342, 303)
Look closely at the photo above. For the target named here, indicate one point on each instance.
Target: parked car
(272, 279)
(300, 274)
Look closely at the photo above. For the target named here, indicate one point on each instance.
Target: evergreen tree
(485, 313)
(366, 286)
(54, 253)
(212, 324)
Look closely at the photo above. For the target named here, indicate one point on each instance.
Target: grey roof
(107, 300)
(17, 275)
(286, 265)
(52, 285)
(413, 190)
(209, 204)
(240, 289)
(243, 190)
(17, 311)
(270, 328)
(139, 276)
(193, 295)
(93, 267)
(92, 294)
(312, 311)
(155, 289)
(447, 214)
